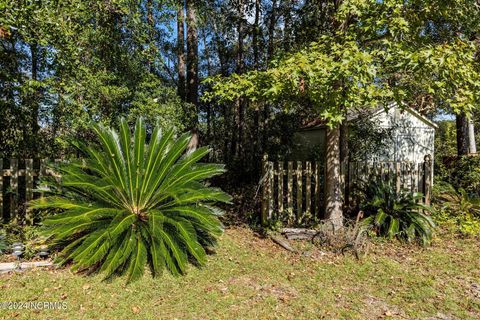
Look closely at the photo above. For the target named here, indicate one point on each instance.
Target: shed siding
(412, 138)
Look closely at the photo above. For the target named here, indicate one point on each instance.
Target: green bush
(393, 213)
(457, 209)
(129, 204)
(28, 235)
(465, 174)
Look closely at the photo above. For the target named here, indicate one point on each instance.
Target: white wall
(412, 137)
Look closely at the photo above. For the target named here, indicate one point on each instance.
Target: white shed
(411, 136)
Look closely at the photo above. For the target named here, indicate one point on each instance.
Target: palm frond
(396, 213)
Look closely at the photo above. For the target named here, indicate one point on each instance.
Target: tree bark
(209, 105)
(240, 103)
(34, 100)
(270, 52)
(224, 109)
(151, 33)
(192, 70)
(462, 134)
(344, 141)
(344, 158)
(472, 145)
(336, 151)
(287, 28)
(271, 31)
(181, 50)
(256, 63)
(333, 192)
(256, 34)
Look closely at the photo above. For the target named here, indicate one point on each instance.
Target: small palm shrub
(130, 204)
(393, 213)
(457, 208)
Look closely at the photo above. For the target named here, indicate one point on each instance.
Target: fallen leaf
(135, 310)
(388, 313)
(224, 290)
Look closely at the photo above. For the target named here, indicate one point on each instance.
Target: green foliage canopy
(381, 52)
(94, 60)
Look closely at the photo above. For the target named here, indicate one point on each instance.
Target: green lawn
(251, 278)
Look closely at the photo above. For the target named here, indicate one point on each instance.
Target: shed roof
(318, 123)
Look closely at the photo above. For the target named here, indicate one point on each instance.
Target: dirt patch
(379, 309)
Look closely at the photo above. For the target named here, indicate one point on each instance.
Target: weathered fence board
(1, 189)
(18, 179)
(295, 189)
(292, 189)
(299, 178)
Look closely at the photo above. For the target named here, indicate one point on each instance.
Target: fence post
(280, 174)
(265, 189)
(28, 190)
(427, 178)
(308, 185)
(398, 177)
(1, 190)
(271, 192)
(299, 174)
(290, 186)
(345, 182)
(14, 190)
(317, 194)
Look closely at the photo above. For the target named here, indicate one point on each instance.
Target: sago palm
(396, 213)
(130, 204)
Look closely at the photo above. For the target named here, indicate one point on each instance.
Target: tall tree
(192, 70)
(34, 99)
(181, 50)
(238, 138)
(462, 134)
(472, 146)
(271, 30)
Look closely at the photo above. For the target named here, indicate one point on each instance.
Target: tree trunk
(344, 158)
(256, 63)
(34, 100)
(181, 50)
(192, 70)
(287, 28)
(344, 141)
(224, 109)
(271, 31)
(471, 137)
(462, 134)
(209, 105)
(240, 101)
(270, 51)
(256, 34)
(151, 34)
(333, 192)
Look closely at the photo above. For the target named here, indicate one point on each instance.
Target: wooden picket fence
(18, 180)
(293, 191)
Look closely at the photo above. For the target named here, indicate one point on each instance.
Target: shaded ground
(252, 278)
